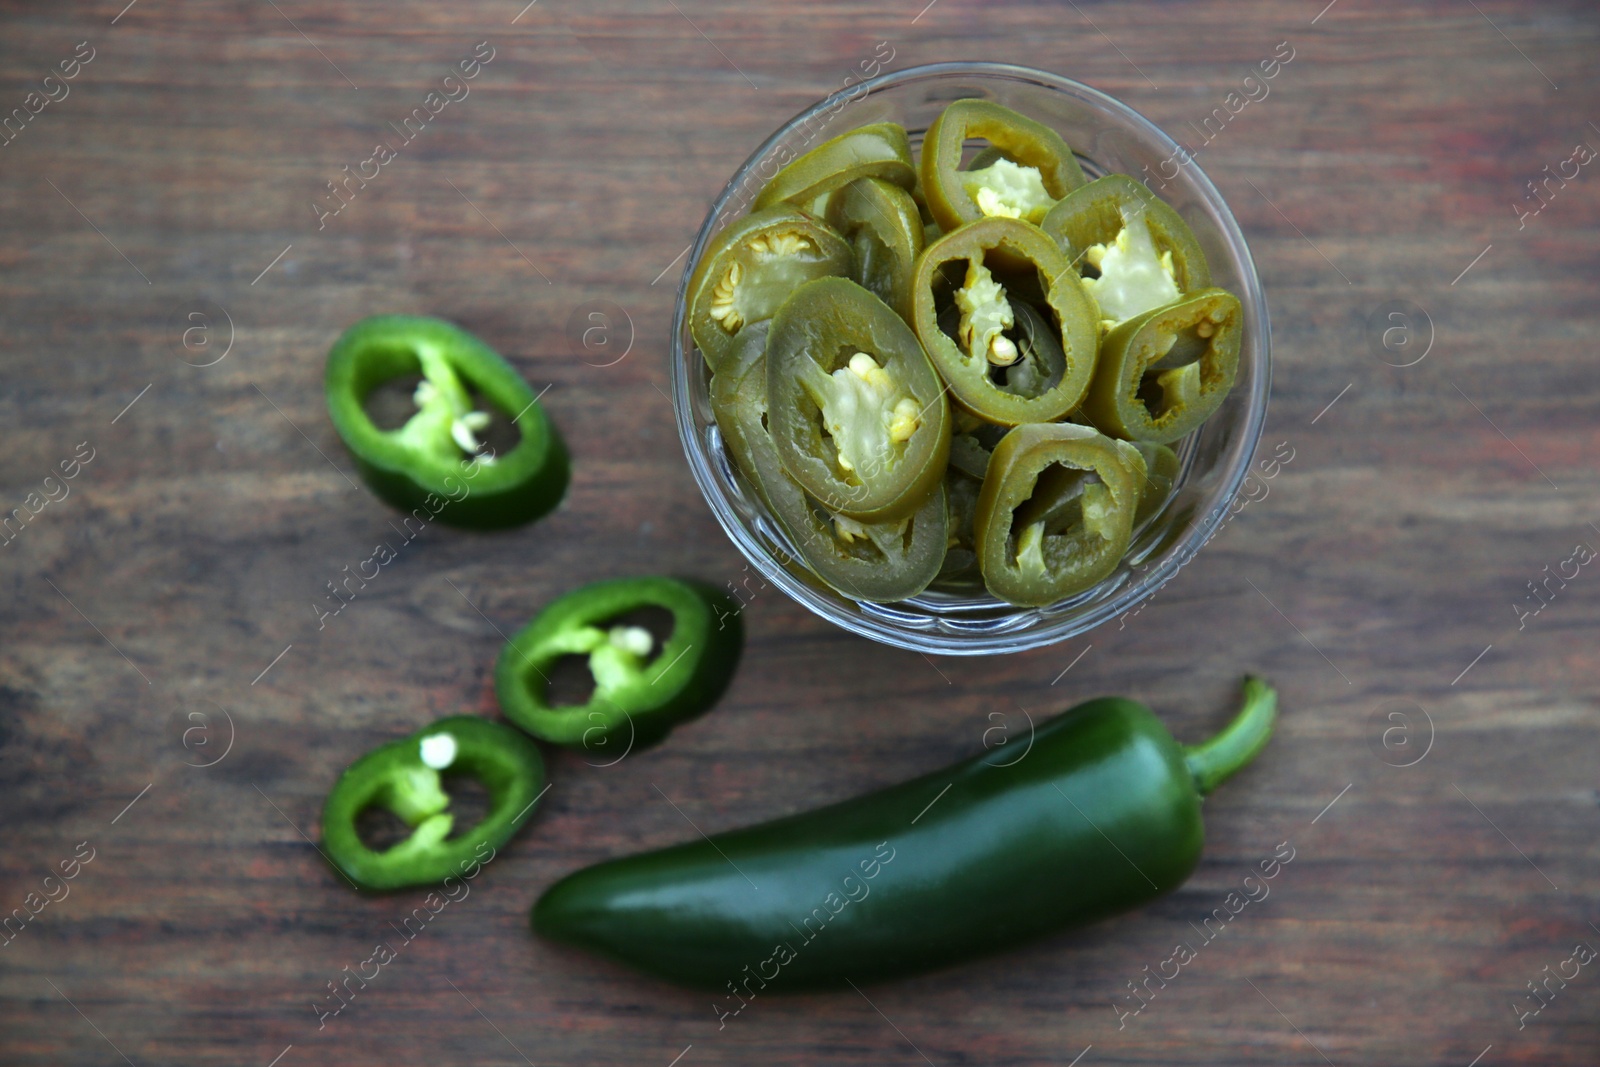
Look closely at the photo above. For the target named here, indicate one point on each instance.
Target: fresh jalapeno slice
(1056, 511)
(878, 150)
(1005, 359)
(403, 777)
(1162, 373)
(1031, 169)
(435, 460)
(751, 267)
(1133, 251)
(643, 687)
(878, 562)
(881, 223)
(858, 415)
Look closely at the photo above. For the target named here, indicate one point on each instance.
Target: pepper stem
(1215, 761)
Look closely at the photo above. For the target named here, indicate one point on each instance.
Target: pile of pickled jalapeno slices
(963, 370)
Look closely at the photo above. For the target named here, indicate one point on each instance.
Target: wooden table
(1442, 859)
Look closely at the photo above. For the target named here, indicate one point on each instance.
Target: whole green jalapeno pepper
(1163, 372)
(1006, 358)
(877, 562)
(435, 460)
(1056, 511)
(1030, 170)
(856, 410)
(404, 777)
(751, 267)
(1098, 815)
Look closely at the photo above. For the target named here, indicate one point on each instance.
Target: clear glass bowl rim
(1054, 631)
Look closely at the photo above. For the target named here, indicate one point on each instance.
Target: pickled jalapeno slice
(1162, 373)
(881, 224)
(878, 562)
(878, 150)
(858, 414)
(1056, 511)
(1133, 251)
(1017, 344)
(751, 267)
(1031, 169)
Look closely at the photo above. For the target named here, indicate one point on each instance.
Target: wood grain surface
(1443, 860)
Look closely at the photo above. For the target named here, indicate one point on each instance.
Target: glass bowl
(1108, 137)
